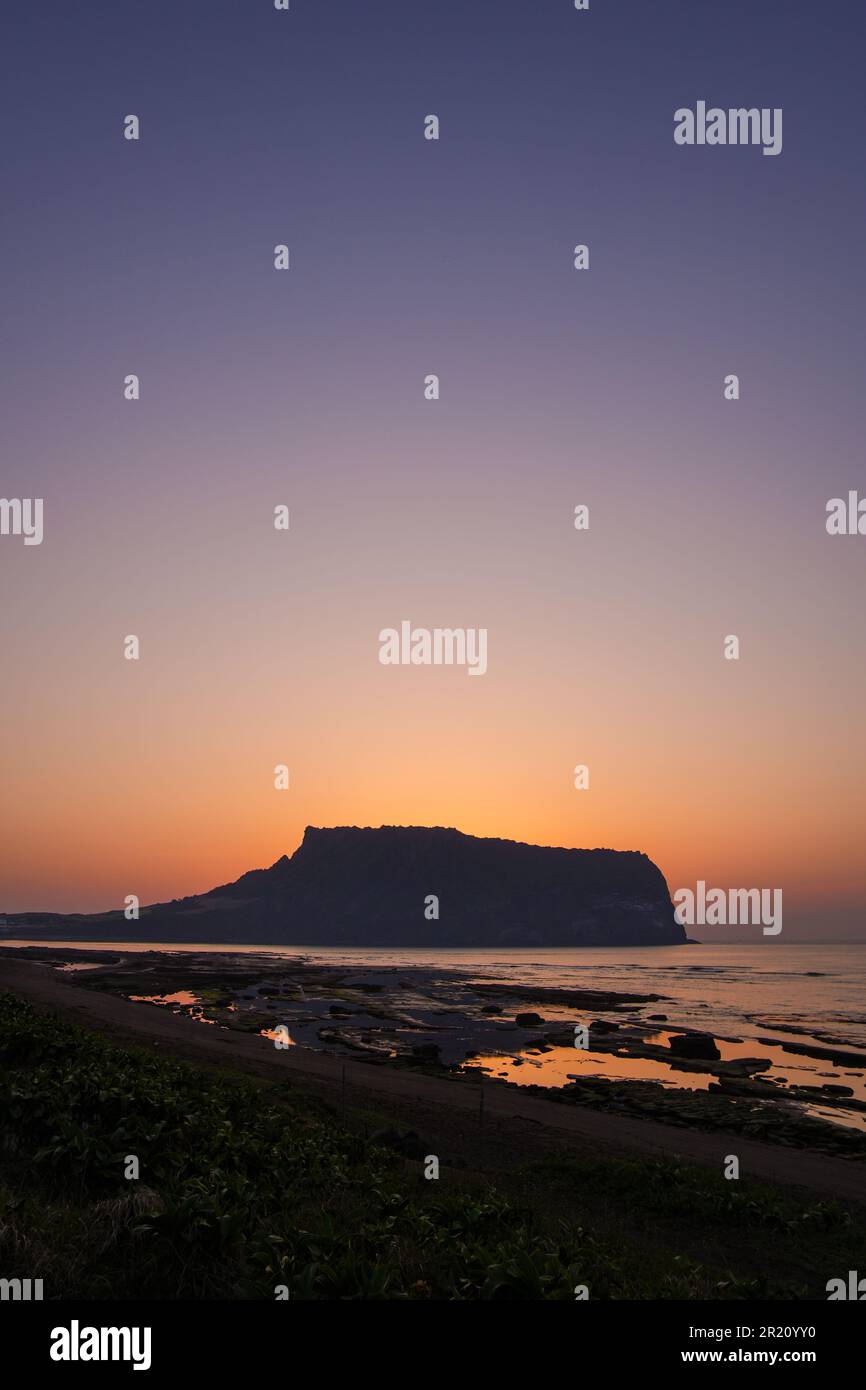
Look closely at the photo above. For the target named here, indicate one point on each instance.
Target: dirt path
(444, 1110)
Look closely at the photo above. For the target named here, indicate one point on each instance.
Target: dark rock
(351, 886)
(701, 1046)
(528, 1020)
(657, 1018)
(834, 1055)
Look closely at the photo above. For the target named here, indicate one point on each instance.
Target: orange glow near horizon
(191, 809)
(156, 777)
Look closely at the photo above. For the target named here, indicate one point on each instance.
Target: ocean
(744, 993)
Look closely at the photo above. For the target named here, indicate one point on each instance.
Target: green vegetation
(246, 1186)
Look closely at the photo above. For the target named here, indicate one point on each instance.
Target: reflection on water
(563, 1064)
(181, 996)
(278, 1034)
(182, 1001)
(560, 1065)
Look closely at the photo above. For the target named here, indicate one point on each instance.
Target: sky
(305, 388)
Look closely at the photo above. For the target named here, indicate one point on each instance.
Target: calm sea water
(741, 994)
(735, 990)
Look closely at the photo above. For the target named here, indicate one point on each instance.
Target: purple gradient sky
(604, 387)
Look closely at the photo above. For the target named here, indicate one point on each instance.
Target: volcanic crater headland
(372, 887)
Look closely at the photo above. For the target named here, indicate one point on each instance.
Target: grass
(243, 1188)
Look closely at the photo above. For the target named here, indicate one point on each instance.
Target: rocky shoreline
(446, 1022)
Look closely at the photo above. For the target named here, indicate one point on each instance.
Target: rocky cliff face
(368, 887)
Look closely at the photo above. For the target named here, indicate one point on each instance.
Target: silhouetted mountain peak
(372, 885)
(404, 885)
